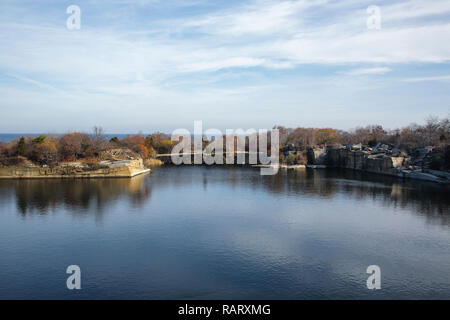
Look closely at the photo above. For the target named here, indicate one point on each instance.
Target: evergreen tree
(22, 147)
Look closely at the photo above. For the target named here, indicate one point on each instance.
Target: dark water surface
(215, 232)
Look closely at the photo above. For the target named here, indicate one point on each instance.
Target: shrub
(291, 159)
(114, 140)
(302, 158)
(11, 161)
(137, 144)
(75, 145)
(159, 142)
(45, 153)
(39, 139)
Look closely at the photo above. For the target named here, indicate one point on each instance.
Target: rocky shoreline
(113, 163)
(380, 160)
(77, 170)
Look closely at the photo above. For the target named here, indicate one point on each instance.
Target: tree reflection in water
(427, 199)
(77, 195)
(81, 196)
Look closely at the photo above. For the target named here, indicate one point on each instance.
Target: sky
(158, 65)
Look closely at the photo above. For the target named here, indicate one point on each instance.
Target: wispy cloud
(176, 53)
(267, 34)
(426, 79)
(368, 71)
(39, 84)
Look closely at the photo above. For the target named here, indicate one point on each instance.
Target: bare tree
(99, 142)
(431, 131)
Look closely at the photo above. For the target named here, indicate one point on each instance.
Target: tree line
(435, 132)
(51, 149)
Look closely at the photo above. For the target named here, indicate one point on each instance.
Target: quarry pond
(199, 232)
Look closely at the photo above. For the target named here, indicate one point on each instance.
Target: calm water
(213, 232)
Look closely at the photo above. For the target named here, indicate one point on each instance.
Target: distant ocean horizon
(7, 137)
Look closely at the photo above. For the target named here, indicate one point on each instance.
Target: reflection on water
(225, 232)
(39, 196)
(78, 195)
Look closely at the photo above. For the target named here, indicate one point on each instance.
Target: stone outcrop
(361, 160)
(316, 156)
(119, 154)
(420, 176)
(381, 163)
(103, 169)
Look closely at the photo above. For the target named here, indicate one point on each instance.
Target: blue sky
(150, 65)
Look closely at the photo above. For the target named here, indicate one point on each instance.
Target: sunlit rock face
(363, 160)
(383, 164)
(107, 168)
